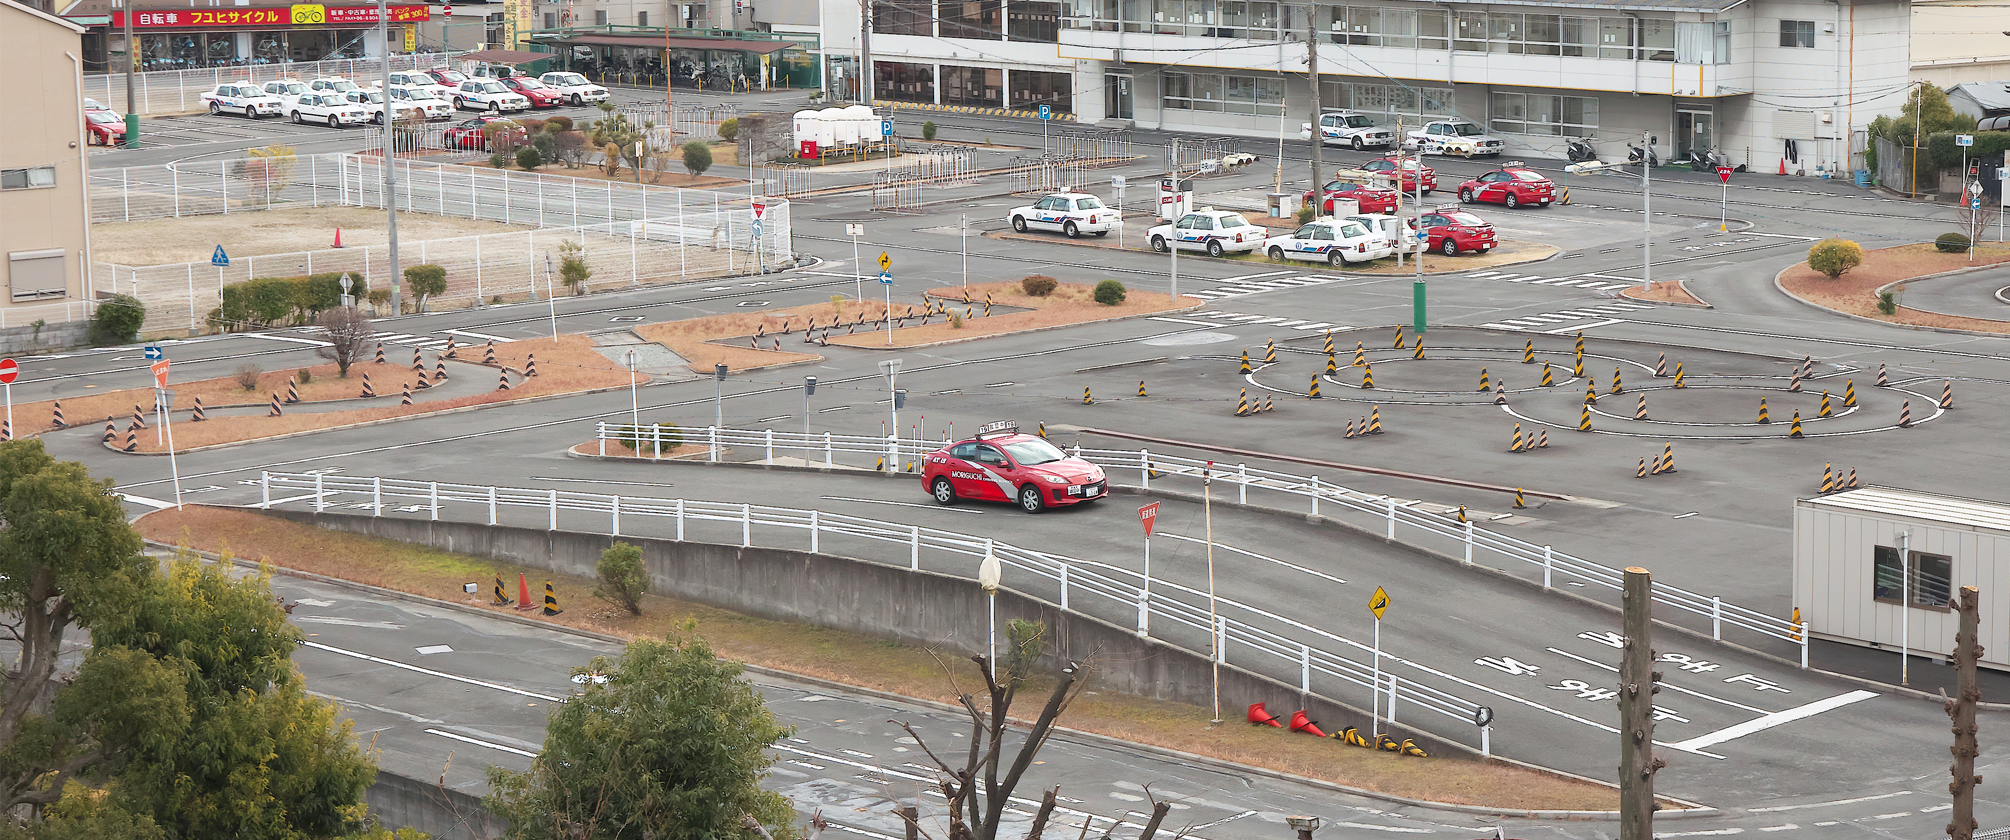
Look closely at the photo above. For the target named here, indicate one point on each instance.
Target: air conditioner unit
(1827, 117)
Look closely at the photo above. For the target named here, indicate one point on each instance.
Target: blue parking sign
(1046, 112)
(886, 128)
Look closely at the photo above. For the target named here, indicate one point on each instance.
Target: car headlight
(1054, 479)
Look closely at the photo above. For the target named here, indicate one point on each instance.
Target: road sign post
(891, 367)
(886, 137)
(1970, 189)
(1046, 115)
(1117, 186)
(886, 283)
(9, 369)
(1723, 198)
(1147, 516)
(858, 277)
(1378, 604)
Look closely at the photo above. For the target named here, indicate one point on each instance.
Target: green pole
(1417, 316)
(132, 131)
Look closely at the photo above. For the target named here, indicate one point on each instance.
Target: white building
(1743, 76)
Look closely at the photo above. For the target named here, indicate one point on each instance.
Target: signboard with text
(272, 16)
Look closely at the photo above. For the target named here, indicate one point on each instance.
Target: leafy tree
(1110, 293)
(426, 281)
(616, 131)
(572, 268)
(531, 157)
(697, 157)
(729, 129)
(117, 320)
(1835, 256)
(1926, 111)
(671, 746)
(623, 580)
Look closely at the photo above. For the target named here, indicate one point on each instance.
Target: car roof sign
(1009, 427)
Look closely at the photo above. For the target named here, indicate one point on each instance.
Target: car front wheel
(1214, 248)
(215, 109)
(1071, 230)
(1466, 196)
(1358, 145)
(1276, 254)
(942, 491)
(1019, 223)
(1030, 500)
(1159, 244)
(576, 101)
(1450, 247)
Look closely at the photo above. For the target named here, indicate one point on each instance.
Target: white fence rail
(1169, 612)
(1477, 544)
(180, 91)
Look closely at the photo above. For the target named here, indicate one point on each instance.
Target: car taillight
(1361, 248)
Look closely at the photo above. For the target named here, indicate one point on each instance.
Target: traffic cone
(418, 363)
(1462, 514)
(1580, 343)
(1242, 403)
(1409, 747)
(274, 412)
(1043, 430)
(1518, 503)
(1849, 393)
(1616, 387)
(1590, 393)
(1367, 378)
(1828, 478)
(111, 432)
(1826, 409)
(1542, 439)
(530, 361)
(1528, 352)
(1314, 392)
(1584, 422)
(1485, 384)
(523, 593)
(1329, 340)
(1678, 376)
(1374, 421)
(1548, 380)
(292, 391)
(407, 398)
(1794, 382)
(502, 381)
(1667, 464)
(1795, 634)
(380, 352)
(1301, 723)
(501, 597)
(1807, 367)
(1270, 352)
(1245, 363)
(1765, 416)
(1360, 355)
(1783, 166)
(139, 417)
(1947, 394)
(1399, 336)
(338, 236)
(1794, 429)
(132, 440)
(1882, 382)
(1905, 414)
(1332, 366)
(1642, 473)
(1500, 393)
(367, 390)
(1514, 443)
(1419, 344)
(1577, 368)
(551, 600)
(451, 351)
(1267, 406)
(1851, 483)
(1661, 366)
(439, 370)
(489, 353)
(1141, 387)
(1640, 413)
(1086, 399)
(1352, 737)
(1260, 716)
(58, 417)
(1350, 428)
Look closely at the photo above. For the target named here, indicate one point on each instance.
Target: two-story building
(44, 214)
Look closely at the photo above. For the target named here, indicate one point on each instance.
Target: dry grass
(1855, 293)
(1071, 303)
(860, 661)
(1664, 291)
(285, 231)
(693, 338)
(324, 385)
(569, 366)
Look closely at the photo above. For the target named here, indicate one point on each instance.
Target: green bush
(645, 442)
(271, 301)
(572, 268)
(1038, 285)
(623, 580)
(529, 157)
(928, 131)
(1951, 243)
(555, 125)
(697, 157)
(730, 129)
(425, 281)
(117, 320)
(306, 376)
(499, 160)
(1887, 303)
(1835, 256)
(1306, 215)
(1110, 293)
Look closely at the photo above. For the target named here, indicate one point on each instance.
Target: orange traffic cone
(338, 237)
(1783, 166)
(1262, 717)
(1301, 723)
(523, 593)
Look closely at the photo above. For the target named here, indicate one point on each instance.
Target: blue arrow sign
(154, 354)
(757, 228)
(886, 277)
(220, 259)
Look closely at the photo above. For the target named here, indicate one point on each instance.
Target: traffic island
(1013, 311)
(868, 663)
(1666, 292)
(1858, 293)
(1508, 252)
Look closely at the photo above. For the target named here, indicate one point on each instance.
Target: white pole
(1904, 607)
(1723, 205)
(551, 298)
(1145, 593)
(991, 623)
(1213, 624)
(963, 239)
(10, 405)
(634, 403)
(857, 278)
(889, 325)
(1375, 711)
(1646, 215)
(167, 420)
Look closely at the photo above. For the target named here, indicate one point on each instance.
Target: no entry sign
(8, 370)
(1148, 515)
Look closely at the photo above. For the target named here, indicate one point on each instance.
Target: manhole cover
(1188, 339)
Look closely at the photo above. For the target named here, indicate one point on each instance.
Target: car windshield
(1464, 219)
(1232, 220)
(1526, 175)
(452, 76)
(491, 87)
(1088, 203)
(103, 117)
(528, 83)
(568, 79)
(1352, 230)
(1034, 452)
(294, 87)
(1466, 130)
(1358, 121)
(343, 85)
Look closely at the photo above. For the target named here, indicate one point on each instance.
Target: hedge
(271, 301)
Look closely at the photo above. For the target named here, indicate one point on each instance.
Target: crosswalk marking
(1546, 321)
(1238, 286)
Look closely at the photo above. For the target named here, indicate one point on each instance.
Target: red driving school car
(999, 464)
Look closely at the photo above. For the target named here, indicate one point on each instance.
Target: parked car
(1357, 186)
(333, 84)
(243, 98)
(371, 101)
(1349, 128)
(1514, 185)
(469, 134)
(489, 95)
(104, 128)
(1454, 137)
(540, 94)
(286, 89)
(577, 90)
(418, 79)
(449, 79)
(330, 108)
(1400, 235)
(1411, 168)
(1071, 213)
(1335, 242)
(411, 96)
(1215, 231)
(1451, 230)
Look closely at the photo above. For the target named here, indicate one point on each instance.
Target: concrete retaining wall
(915, 607)
(23, 341)
(399, 802)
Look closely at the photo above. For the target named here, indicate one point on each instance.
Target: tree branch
(1040, 816)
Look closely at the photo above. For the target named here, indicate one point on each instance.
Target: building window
(971, 19)
(40, 177)
(550, 20)
(641, 18)
(1797, 33)
(1388, 102)
(1543, 116)
(903, 17)
(1723, 38)
(903, 82)
(1227, 93)
(1032, 20)
(981, 87)
(1932, 581)
(599, 17)
(1032, 88)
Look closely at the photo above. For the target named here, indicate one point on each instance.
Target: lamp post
(718, 405)
(1213, 622)
(634, 402)
(988, 575)
(809, 389)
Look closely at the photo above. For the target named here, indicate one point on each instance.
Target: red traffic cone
(1261, 716)
(1783, 166)
(523, 593)
(1301, 723)
(338, 236)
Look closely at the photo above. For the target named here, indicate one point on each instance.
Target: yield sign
(1724, 174)
(758, 210)
(1149, 515)
(160, 370)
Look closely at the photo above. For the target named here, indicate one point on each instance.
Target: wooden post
(1961, 823)
(1636, 709)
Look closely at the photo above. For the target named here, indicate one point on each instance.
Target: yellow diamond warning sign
(1378, 603)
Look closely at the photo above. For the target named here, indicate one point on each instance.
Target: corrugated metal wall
(1832, 580)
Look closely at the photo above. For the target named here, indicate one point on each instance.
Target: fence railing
(1474, 544)
(1166, 611)
(179, 91)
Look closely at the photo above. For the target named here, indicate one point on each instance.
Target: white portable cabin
(807, 123)
(1851, 582)
(843, 126)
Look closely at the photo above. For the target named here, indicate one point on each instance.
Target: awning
(652, 42)
(506, 56)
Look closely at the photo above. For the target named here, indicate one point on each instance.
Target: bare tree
(977, 795)
(349, 334)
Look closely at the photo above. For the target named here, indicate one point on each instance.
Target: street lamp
(718, 406)
(894, 399)
(988, 575)
(809, 389)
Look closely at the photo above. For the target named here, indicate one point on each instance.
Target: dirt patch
(322, 385)
(861, 661)
(675, 176)
(701, 340)
(1663, 291)
(1507, 253)
(1855, 293)
(283, 231)
(1070, 303)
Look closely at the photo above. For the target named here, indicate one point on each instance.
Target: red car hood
(1073, 471)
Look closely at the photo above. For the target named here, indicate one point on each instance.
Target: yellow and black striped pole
(1043, 430)
(1580, 343)
(501, 597)
(1519, 503)
(1679, 383)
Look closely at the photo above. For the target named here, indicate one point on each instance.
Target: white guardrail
(1059, 581)
(1479, 545)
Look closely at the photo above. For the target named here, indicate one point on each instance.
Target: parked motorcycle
(1635, 154)
(1580, 151)
(1701, 160)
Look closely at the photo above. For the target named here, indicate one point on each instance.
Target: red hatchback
(1001, 465)
(1449, 230)
(1371, 198)
(1511, 185)
(469, 135)
(539, 94)
(1386, 167)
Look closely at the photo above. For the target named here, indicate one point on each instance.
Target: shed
(1853, 584)
(1980, 99)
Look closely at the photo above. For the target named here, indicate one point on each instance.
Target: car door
(1301, 241)
(1044, 215)
(993, 473)
(1198, 235)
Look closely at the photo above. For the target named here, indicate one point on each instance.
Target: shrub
(697, 157)
(1887, 303)
(425, 281)
(656, 443)
(956, 320)
(1110, 293)
(555, 125)
(928, 131)
(247, 376)
(378, 297)
(1306, 215)
(499, 160)
(117, 320)
(572, 268)
(1835, 256)
(610, 162)
(306, 376)
(529, 157)
(1038, 285)
(623, 581)
(1951, 243)
(730, 129)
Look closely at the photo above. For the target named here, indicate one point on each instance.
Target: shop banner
(274, 16)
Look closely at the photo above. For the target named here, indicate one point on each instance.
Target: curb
(1782, 289)
(1684, 286)
(1694, 810)
(1009, 234)
(1031, 330)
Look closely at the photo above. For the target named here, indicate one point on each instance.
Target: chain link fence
(180, 91)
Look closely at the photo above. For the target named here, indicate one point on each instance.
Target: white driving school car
(1332, 241)
(1215, 231)
(1071, 213)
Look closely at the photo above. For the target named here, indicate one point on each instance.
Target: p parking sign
(1046, 112)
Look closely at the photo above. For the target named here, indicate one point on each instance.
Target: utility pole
(1961, 823)
(1637, 687)
(390, 156)
(1646, 214)
(865, 51)
(133, 58)
(1318, 131)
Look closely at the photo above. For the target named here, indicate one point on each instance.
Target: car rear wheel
(1214, 248)
(1102, 233)
(1019, 223)
(1159, 244)
(459, 103)
(1466, 196)
(1335, 259)
(1512, 202)
(1030, 500)
(1450, 247)
(944, 493)
(215, 109)
(297, 119)
(1276, 254)
(1072, 231)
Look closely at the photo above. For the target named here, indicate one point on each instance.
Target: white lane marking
(1322, 325)
(1621, 277)
(1786, 827)
(1253, 276)
(483, 336)
(429, 650)
(1936, 809)
(1775, 719)
(1883, 816)
(1268, 321)
(1714, 832)
(480, 742)
(1186, 321)
(1286, 564)
(347, 622)
(156, 504)
(313, 602)
(1605, 323)
(943, 508)
(430, 672)
(1483, 274)
(1551, 281)
(1669, 686)
(1500, 327)
(287, 338)
(1373, 827)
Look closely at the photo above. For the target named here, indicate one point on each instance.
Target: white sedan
(416, 79)
(1215, 231)
(1332, 241)
(1071, 213)
(243, 98)
(329, 108)
(405, 98)
(489, 95)
(577, 90)
(1398, 233)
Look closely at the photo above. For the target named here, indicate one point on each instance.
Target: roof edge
(46, 16)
